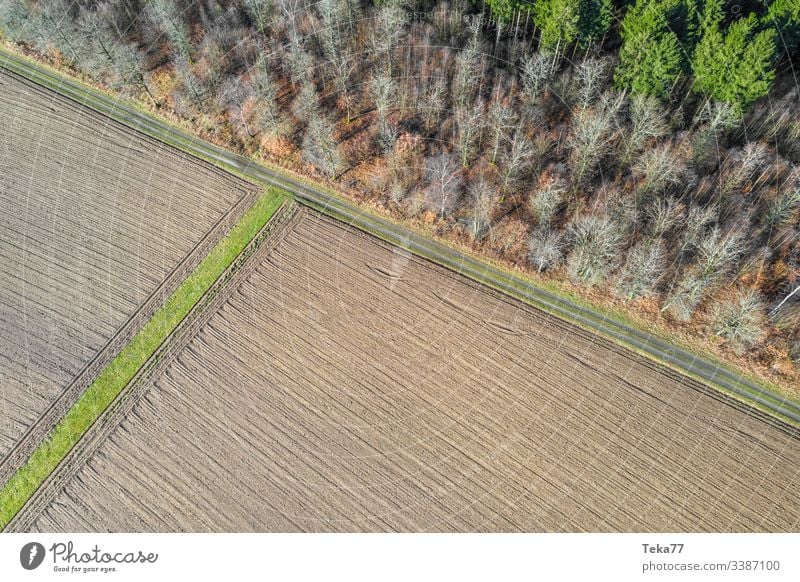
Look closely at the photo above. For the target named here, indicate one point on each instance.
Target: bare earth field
(347, 386)
(95, 220)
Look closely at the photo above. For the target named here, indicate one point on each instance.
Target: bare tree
(191, 83)
(538, 71)
(545, 200)
(433, 106)
(469, 127)
(592, 75)
(664, 214)
(589, 143)
(261, 13)
(482, 202)
(740, 320)
(648, 122)
(545, 249)
(299, 63)
(306, 104)
(390, 24)
(320, 148)
(444, 184)
(643, 269)
(659, 168)
(781, 209)
(596, 246)
(468, 75)
(742, 167)
(516, 162)
(716, 252)
(166, 16)
(384, 92)
(698, 219)
(501, 120)
(714, 119)
(265, 91)
(335, 38)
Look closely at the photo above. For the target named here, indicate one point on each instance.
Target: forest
(646, 152)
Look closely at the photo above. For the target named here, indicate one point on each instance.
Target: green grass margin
(122, 369)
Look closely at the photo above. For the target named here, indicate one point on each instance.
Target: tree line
(647, 148)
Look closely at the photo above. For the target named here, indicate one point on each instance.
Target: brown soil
(348, 386)
(99, 224)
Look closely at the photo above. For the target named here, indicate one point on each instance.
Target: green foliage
(504, 10)
(562, 23)
(651, 59)
(734, 65)
(784, 16)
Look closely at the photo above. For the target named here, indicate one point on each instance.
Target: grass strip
(121, 370)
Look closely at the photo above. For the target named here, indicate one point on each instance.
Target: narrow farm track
(100, 225)
(349, 386)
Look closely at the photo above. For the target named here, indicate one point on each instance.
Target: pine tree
(562, 23)
(734, 65)
(651, 58)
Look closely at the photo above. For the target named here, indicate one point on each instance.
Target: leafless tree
(713, 120)
(444, 184)
(545, 249)
(501, 120)
(740, 320)
(384, 93)
(390, 24)
(664, 214)
(516, 161)
(166, 16)
(596, 245)
(538, 71)
(468, 75)
(743, 165)
(545, 200)
(261, 13)
(482, 202)
(320, 148)
(433, 105)
(589, 143)
(306, 103)
(643, 269)
(648, 122)
(299, 63)
(717, 251)
(265, 91)
(698, 218)
(469, 127)
(780, 211)
(592, 76)
(659, 168)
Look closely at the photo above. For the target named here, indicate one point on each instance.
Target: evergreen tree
(651, 58)
(734, 65)
(784, 16)
(562, 23)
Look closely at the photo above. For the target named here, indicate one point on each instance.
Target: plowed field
(98, 225)
(346, 386)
